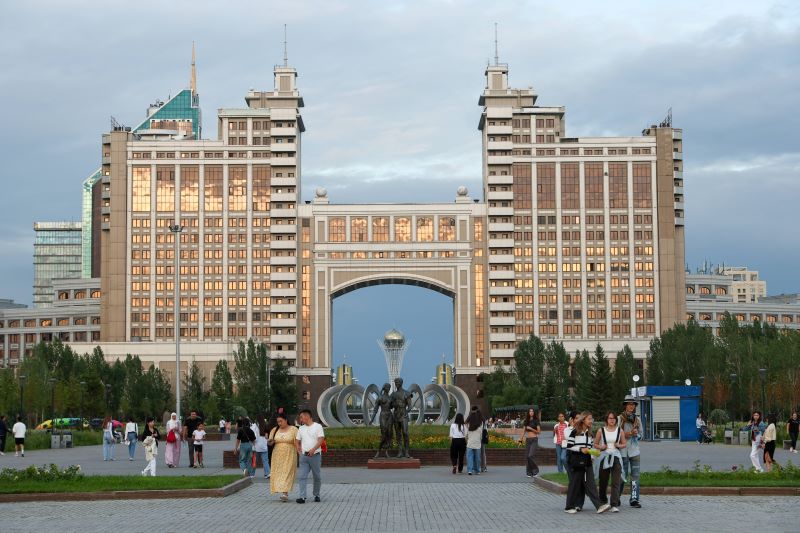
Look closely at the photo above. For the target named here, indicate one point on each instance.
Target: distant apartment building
(713, 292)
(57, 254)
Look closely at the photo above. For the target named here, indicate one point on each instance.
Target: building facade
(56, 255)
(578, 239)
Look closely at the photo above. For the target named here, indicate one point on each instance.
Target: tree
(583, 380)
(222, 389)
(600, 399)
(194, 385)
(283, 386)
(556, 380)
(529, 362)
(251, 376)
(624, 369)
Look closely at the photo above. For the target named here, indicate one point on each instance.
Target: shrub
(718, 417)
(43, 473)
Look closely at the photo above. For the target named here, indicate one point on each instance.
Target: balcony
(499, 145)
(283, 147)
(283, 182)
(502, 321)
(284, 197)
(677, 154)
(677, 190)
(678, 174)
(500, 195)
(501, 306)
(503, 337)
(500, 180)
(499, 159)
(283, 161)
(498, 130)
(283, 132)
(501, 226)
(501, 243)
(283, 245)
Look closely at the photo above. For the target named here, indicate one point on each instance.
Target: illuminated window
(261, 188)
(237, 188)
(447, 228)
(424, 229)
(165, 188)
(402, 229)
(336, 229)
(380, 229)
(141, 189)
(189, 188)
(358, 229)
(213, 188)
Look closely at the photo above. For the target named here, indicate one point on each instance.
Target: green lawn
(420, 437)
(40, 439)
(112, 483)
(705, 479)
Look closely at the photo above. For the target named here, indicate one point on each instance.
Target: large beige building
(578, 239)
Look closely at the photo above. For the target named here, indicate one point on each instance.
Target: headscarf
(173, 423)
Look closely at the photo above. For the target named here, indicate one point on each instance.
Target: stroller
(706, 437)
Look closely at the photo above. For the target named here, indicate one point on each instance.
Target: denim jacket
(757, 428)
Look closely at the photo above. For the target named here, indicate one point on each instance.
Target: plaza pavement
(429, 499)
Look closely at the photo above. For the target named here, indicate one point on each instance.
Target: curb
(221, 492)
(557, 488)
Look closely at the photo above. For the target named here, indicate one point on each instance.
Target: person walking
(222, 424)
(458, 443)
(631, 454)
(570, 419)
(198, 437)
(474, 433)
(3, 434)
(131, 436)
(530, 434)
(699, 423)
(793, 428)
(172, 451)
(581, 482)
(558, 440)
(150, 445)
(755, 430)
(610, 439)
(770, 435)
(261, 446)
(283, 461)
(484, 443)
(192, 423)
(309, 447)
(244, 447)
(109, 440)
(19, 431)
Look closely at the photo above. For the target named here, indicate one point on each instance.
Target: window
(618, 185)
(546, 185)
(447, 228)
(237, 188)
(358, 229)
(261, 191)
(593, 173)
(165, 189)
(189, 188)
(141, 189)
(570, 187)
(642, 196)
(522, 185)
(380, 229)
(402, 229)
(336, 229)
(424, 229)
(213, 188)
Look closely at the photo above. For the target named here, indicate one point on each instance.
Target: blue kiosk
(668, 412)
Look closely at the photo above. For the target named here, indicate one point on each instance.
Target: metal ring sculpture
(339, 394)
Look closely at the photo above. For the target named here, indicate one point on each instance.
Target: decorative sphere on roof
(462, 191)
(321, 192)
(394, 336)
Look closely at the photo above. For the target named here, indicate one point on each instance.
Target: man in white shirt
(19, 431)
(309, 447)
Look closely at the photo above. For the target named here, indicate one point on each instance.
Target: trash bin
(66, 439)
(728, 436)
(744, 438)
(55, 441)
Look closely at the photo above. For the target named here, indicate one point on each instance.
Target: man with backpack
(631, 424)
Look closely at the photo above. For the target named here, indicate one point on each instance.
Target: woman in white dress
(172, 450)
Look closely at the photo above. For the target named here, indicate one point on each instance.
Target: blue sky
(391, 93)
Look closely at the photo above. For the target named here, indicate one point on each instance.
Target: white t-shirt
(19, 430)
(131, 427)
(199, 435)
(309, 435)
(456, 433)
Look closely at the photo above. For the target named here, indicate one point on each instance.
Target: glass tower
(56, 255)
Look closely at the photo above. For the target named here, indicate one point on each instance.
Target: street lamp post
(733, 381)
(108, 397)
(83, 385)
(703, 395)
(22, 379)
(762, 373)
(176, 230)
(52, 404)
(269, 383)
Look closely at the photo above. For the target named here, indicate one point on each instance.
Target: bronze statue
(401, 403)
(384, 404)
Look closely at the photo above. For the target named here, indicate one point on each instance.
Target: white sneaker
(570, 511)
(614, 510)
(794, 451)
(603, 508)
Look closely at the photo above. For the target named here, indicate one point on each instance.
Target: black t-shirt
(245, 435)
(794, 426)
(3, 428)
(191, 425)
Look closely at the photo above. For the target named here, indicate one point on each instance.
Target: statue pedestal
(392, 463)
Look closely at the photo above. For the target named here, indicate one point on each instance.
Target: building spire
(193, 79)
(285, 54)
(496, 55)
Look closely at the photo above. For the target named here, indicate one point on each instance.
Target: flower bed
(420, 437)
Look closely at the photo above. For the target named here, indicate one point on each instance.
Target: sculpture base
(393, 463)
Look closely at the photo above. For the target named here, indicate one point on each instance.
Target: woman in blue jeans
(474, 433)
(558, 439)
(244, 447)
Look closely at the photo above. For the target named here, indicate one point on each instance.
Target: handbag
(171, 438)
(578, 460)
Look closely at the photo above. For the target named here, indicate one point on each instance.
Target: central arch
(415, 281)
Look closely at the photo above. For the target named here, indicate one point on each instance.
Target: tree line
(730, 368)
(55, 378)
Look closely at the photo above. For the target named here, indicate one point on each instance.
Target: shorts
(198, 448)
(19, 440)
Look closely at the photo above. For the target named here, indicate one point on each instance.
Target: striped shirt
(576, 441)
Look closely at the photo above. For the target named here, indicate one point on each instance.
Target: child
(199, 436)
(150, 453)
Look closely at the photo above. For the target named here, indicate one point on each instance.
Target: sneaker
(284, 498)
(130, 458)
(528, 475)
(16, 454)
(570, 511)
(23, 454)
(454, 470)
(636, 504)
(316, 499)
(579, 509)
(300, 500)
(266, 476)
(614, 510)
(794, 451)
(603, 508)
(469, 473)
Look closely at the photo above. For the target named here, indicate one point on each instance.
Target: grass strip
(118, 483)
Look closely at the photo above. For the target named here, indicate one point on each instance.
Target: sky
(391, 91)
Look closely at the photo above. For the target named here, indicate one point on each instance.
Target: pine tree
(529, 362)
(222, 388)
(601, 390)
(624, 369)
(195, 394)
(583, 380)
